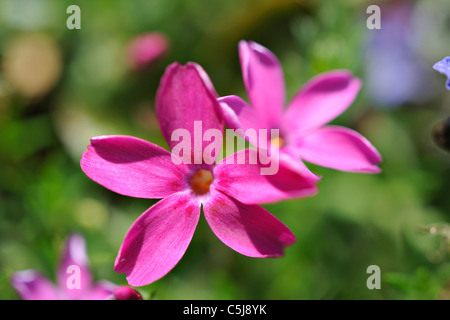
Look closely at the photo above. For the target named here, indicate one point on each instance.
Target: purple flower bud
(126, 293)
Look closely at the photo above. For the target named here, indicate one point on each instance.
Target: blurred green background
(60, 87)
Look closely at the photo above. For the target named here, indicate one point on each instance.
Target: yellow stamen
(201, 181)
(277, 142)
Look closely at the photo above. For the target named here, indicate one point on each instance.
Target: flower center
(201, 181)
(277, 142)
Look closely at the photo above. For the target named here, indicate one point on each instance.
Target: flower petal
(339, 148)
(133, 167)
(158, 239)
(185, 96)
(264, 81)
(443, 66)
(322, 99)
(245, 182)
(248, 229)
(102, 290)
(31, 285)
(74, 261)
(239, 115)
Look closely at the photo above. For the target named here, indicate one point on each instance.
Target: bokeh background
(60, 87)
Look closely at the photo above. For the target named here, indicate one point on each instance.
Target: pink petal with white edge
(339, 148)
(31, 285)
(74, 262)
(185, 96)
(158, 239)
(321, 100)
(248, 229)
(264, 81)
(244, 181)
(133, 167)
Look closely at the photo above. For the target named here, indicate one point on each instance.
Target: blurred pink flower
(227, 192)
(31, 285)
(145, 49)
(303, 133)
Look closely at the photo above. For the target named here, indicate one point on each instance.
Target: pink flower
(303, 130)
(227, 193)
(126, 293)
(146, 48)
(74, 279)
